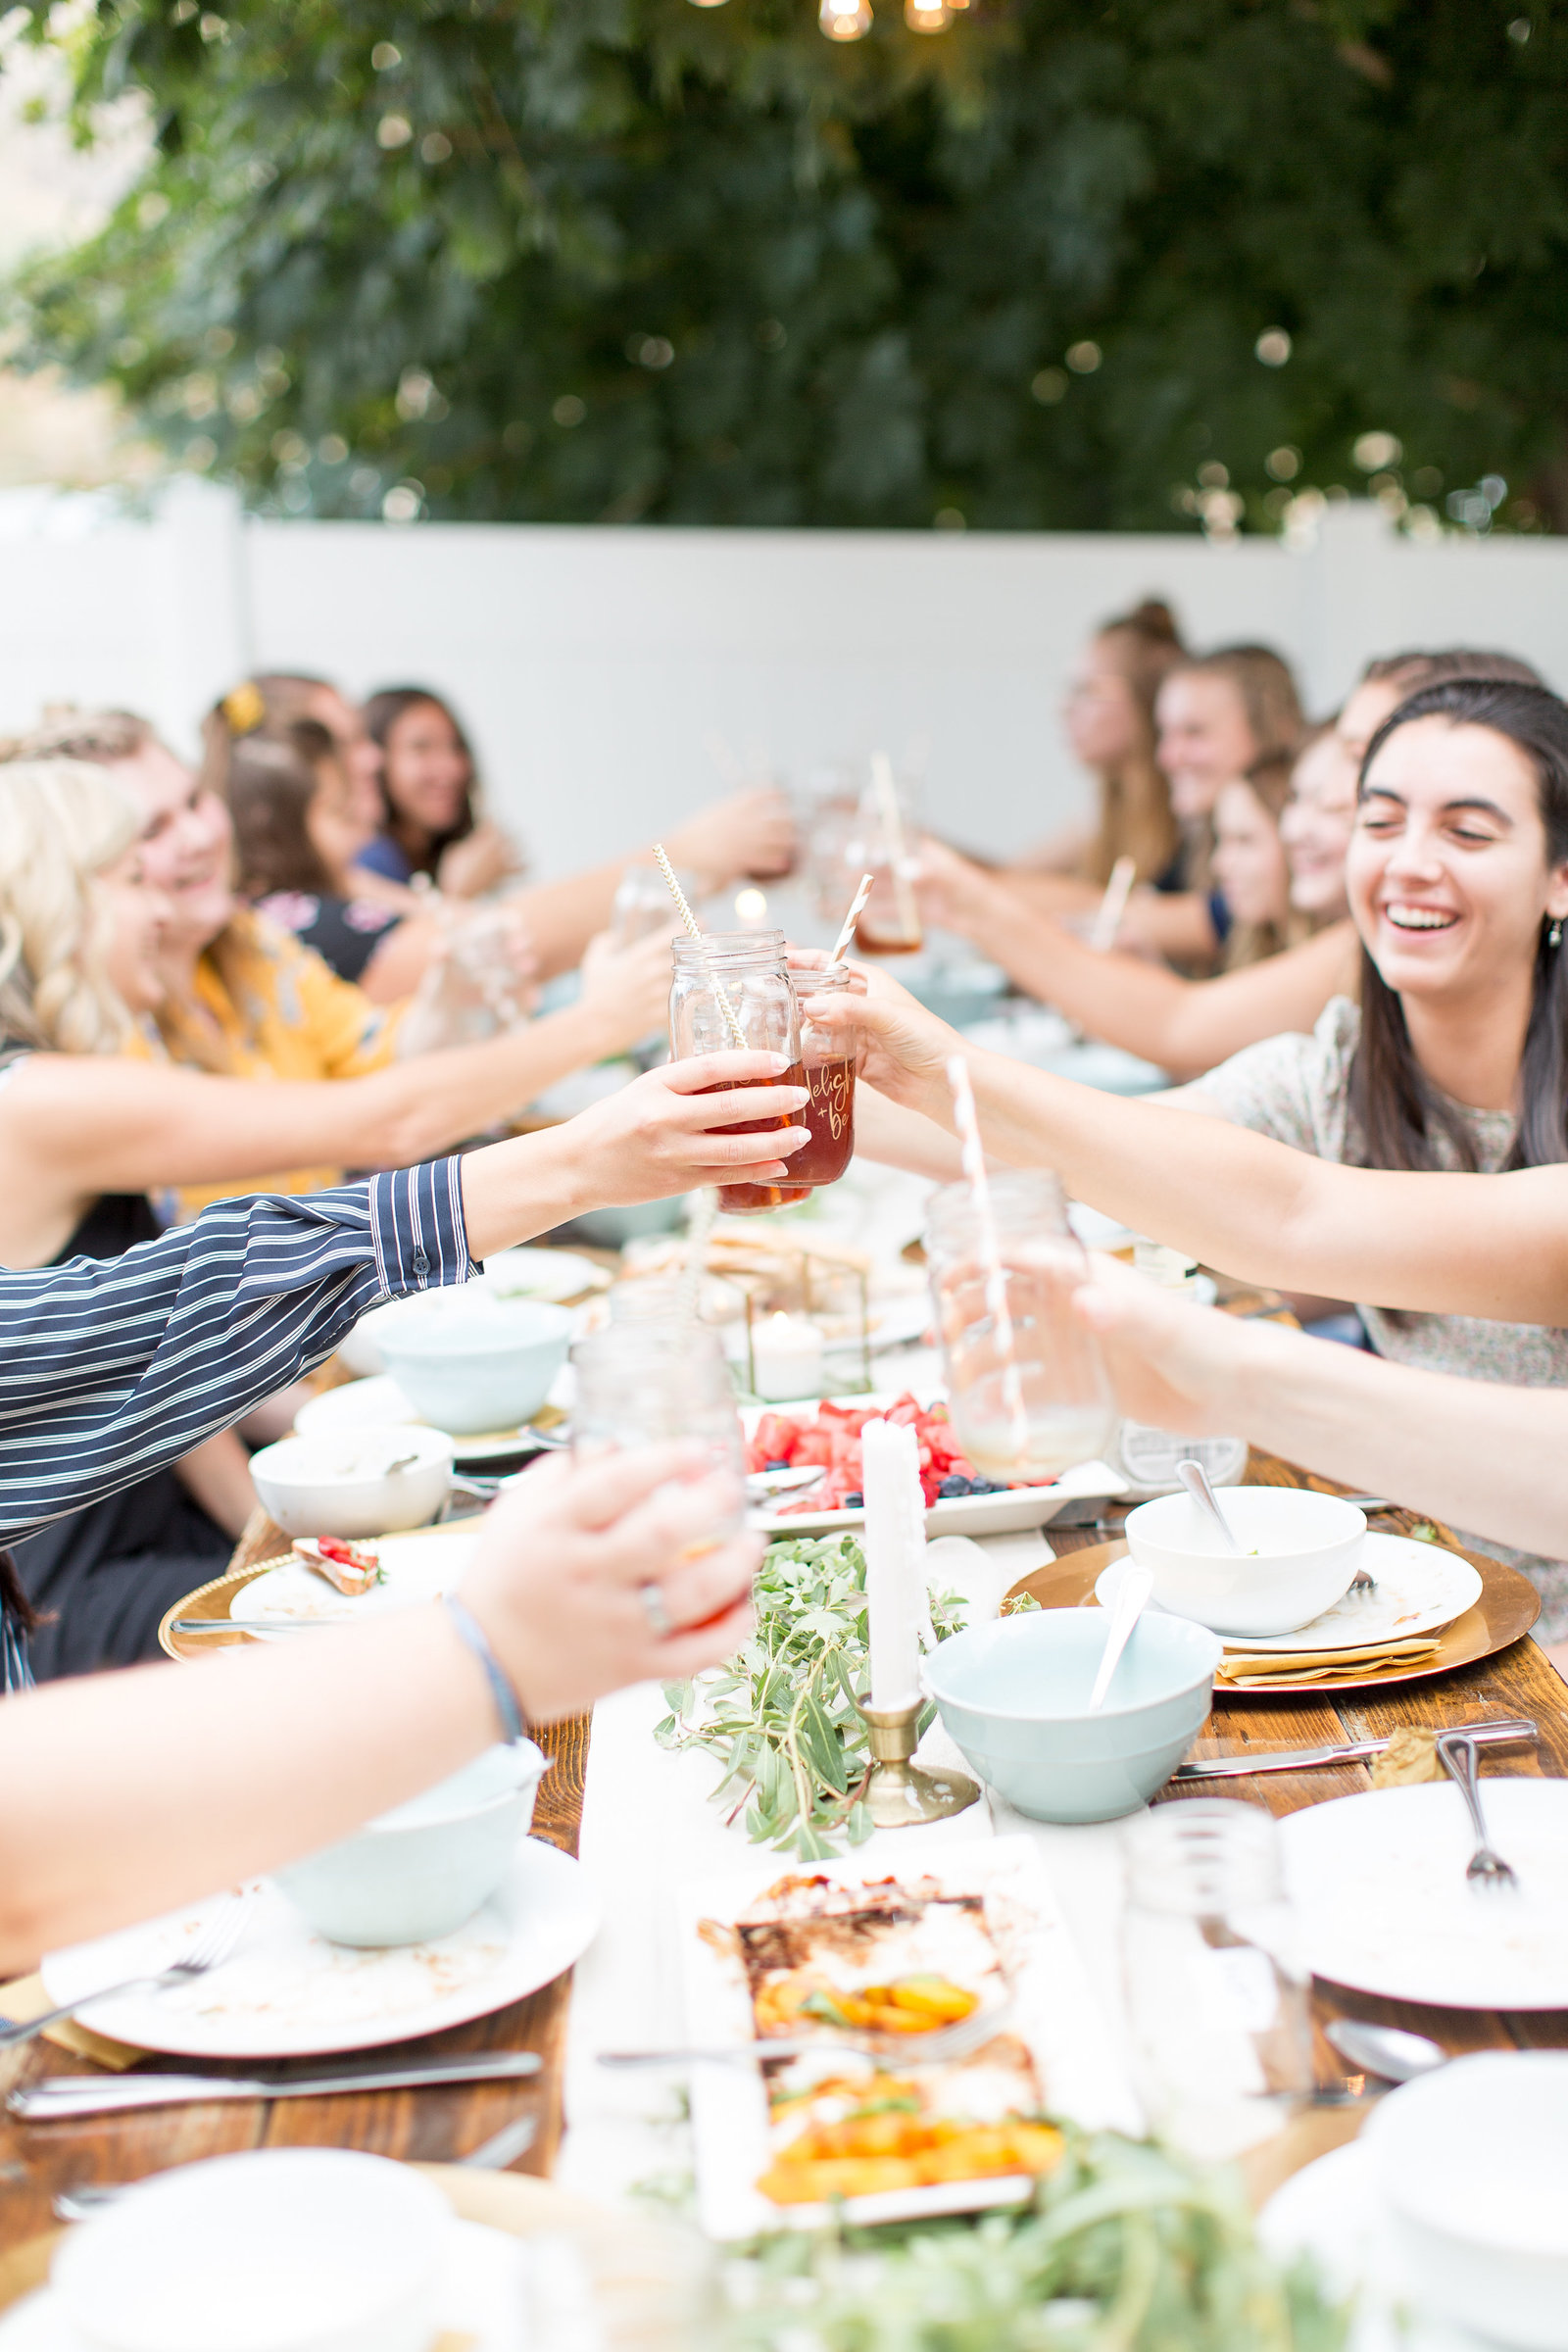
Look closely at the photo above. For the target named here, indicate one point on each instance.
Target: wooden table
(36, 2161)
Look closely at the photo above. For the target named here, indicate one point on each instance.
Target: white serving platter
(1054, 2011)
(286, 1993)
(1379, 1887)
(1011, 1512)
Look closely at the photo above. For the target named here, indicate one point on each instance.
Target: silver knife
(1354, 1751)
(261, 1627)
(64, 2095)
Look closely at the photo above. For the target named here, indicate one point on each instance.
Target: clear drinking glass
(886, 845)
(748, 966)
(648, 1382)
(1049, 1404)
(1216, 2003)
(829, 1059)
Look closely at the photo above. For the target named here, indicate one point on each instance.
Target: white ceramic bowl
(343, 1485)
(283, 2250)
(1472, 2163)
(1308, 1548)
(470, 1362)
(421, 1870)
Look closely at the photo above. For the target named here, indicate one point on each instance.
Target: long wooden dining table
(40, 2160)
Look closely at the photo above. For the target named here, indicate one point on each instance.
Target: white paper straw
(1113, 906)
(700, 1216)
(886, 798)
(967, 1123)
(695, 928)
(851, 919)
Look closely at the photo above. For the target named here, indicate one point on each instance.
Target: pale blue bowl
(468, 1362)
(1014, 1694)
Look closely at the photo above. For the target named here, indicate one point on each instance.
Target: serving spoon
(1195, 1478)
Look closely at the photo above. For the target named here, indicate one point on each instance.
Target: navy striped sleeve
(113, 1368)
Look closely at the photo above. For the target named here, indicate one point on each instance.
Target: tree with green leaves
(1066, 265)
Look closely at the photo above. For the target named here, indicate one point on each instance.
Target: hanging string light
(845, 20)
(927, 16)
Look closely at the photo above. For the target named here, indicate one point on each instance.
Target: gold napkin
(1257, 1669)
(25, 1998)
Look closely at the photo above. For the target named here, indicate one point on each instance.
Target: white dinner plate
(416, 1567)
(1332, 2211)
(1419, 1588)
(1379, 1887)
(482, 2299)
(1011, 1512)
(286, 1993)
(379, 1403)
(554, 1275)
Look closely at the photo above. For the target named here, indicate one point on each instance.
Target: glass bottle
(829, 1059)
(748, 966)
(1034, 1414)
(1216, 2000)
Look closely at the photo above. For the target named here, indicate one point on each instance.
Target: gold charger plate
(1508, 1608)
(211, 1602)
(515, 2202)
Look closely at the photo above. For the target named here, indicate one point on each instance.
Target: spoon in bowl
(1195, 1478)
(1128, 1604)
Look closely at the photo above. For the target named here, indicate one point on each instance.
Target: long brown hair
(1269, 781)
(1394, 1105)
(383, 712)
(14, 1601)
(1135, 812)
(274, 776)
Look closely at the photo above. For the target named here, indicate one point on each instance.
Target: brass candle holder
(898, 1794)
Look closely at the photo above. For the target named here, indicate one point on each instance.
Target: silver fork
(917, 2049)
(1460, 1758)
(211, 1950)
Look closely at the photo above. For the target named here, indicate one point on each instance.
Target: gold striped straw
(851, 919)
(695, 928)
(967, 1123)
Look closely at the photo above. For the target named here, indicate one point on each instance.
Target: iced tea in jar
(749, 967)
(829, 1059)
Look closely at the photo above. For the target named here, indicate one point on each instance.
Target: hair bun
(1154, 619)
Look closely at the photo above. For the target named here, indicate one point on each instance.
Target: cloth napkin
(25, 1998)
(1248, 1670)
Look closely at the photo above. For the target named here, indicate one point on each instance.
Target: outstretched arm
(130, 1794)
(1484, 1456)
(111, 1368)
(1186, 1026)
(1489, 1245)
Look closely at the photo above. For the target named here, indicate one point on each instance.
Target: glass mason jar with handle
(1034, 1411)
(829, 1060)
(1216, 2003)
(748, 966)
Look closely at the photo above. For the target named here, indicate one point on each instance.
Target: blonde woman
(87, 1129)
(239, 998)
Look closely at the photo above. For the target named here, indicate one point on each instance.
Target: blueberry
(853, 1502)
(775, 1465)
(951, 1487)
(986, 1486)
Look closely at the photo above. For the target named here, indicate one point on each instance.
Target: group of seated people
(1404, 1072)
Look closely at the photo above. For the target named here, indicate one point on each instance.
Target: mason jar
(1030, 1403)
(748, 966)
(829, 1057)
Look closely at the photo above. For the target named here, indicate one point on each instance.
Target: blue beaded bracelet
(473, 1633)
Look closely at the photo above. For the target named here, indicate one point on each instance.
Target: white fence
(600, 668)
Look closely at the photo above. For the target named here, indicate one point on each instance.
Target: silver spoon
(1195, 1478)
(1386, 2050)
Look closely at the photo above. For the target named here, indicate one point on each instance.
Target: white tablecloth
(647, 1827)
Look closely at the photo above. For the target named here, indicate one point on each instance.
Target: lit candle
(787, 1359)
(895, 1569)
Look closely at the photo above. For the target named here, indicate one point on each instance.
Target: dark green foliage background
(862, 256)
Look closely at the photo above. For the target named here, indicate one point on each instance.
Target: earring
(1554, 932)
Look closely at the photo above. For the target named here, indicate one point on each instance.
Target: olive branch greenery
(1126, 2247)
(781, 1716)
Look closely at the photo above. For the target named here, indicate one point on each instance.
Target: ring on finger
(661, 1624)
